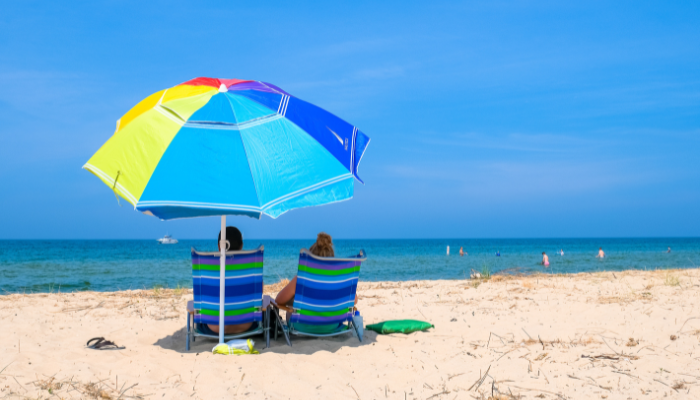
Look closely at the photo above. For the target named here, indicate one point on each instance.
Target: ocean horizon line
(348, 238)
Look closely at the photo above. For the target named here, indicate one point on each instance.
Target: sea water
(107, 265)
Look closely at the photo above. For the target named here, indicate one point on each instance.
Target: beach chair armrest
(190, 306)
(266, 302)
(281, 307)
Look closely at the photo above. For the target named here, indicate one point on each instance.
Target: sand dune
(604, 335)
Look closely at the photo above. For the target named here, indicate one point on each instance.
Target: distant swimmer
(601, 253)
(498, 253)
(545, 259)
(561, 252)
(669, 250)
(448, 250)
(461, 251)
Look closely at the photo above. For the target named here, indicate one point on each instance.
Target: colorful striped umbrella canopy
(229, 147)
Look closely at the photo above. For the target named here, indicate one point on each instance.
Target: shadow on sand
(300, 344)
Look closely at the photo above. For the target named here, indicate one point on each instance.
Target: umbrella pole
(222, 279)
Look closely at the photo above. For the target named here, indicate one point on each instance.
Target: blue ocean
(109, 265)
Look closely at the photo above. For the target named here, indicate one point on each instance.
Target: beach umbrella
(228, 147)
(217, 147)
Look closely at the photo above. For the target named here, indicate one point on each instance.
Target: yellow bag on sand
(236, 346)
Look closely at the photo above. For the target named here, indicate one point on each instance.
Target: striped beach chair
(243, 300)
(324, 299)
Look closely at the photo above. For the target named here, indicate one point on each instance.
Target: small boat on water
(167, 239)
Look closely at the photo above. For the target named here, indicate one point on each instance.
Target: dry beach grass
(605, 335)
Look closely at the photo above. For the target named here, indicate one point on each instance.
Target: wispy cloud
(493, 180)
(353, 78)
(45, 92)
(380, 72)
(352, 47)
(520, 142)
(538, 167)
(49, 116)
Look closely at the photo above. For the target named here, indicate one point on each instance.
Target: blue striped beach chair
(324, 299)
(243, 299)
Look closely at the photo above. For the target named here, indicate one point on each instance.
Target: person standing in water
(461, 251)
(601, 253)
(498, 253)
(561, 252)
(545, 259)
(669, 250)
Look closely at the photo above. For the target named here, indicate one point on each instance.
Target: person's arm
(286, 295)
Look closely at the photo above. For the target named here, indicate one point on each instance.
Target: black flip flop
(102, 344)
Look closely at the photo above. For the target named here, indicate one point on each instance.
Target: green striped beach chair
(243, 299)
(324, 299)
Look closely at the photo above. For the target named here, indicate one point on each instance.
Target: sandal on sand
(102, 344)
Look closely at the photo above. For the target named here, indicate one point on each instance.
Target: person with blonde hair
(322, 248)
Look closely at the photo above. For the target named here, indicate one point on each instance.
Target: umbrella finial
(223, 88)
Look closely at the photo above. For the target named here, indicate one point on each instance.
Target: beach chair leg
(287, 336)
(276, 328)
(267, 328)
(187, 345)
(275, 322)
(281, 326)
(357, 330)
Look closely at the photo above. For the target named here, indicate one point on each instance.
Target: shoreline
(506, 274)
(587, 335)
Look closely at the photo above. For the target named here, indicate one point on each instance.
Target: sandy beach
(622, 335)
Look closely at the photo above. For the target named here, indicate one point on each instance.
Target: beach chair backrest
(325, 290)
(243, 283)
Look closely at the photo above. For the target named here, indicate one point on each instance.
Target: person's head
(323, 246)
(233, 237)
(543, 253)
(600, 248)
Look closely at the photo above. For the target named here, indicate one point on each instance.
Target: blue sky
(487, 119)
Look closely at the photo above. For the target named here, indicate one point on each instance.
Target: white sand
(584, 336)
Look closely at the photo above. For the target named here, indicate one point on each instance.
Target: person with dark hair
(234, 240)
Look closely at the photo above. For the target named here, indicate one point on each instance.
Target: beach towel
(399, 326)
